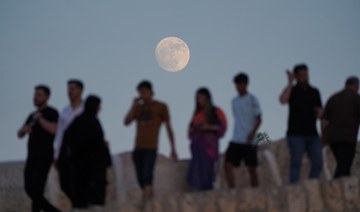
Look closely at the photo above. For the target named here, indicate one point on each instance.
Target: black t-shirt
(343, 113)
(303, 103)
(40, 144)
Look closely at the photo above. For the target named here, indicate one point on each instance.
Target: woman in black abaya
(83, 158)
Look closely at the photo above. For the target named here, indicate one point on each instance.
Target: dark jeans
(344, 152)
(298, 145)
(35, 176)
(144, 160)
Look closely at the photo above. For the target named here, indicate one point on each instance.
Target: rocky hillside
(173, 194)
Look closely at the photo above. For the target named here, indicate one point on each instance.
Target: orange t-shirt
(149, 118)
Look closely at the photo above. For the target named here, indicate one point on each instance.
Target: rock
(154, 206)
(12, 193)
(129, 208)
(296, 198)
(351, 193)
(189, 203)
(333, 195)
(173, 194)
(314, 198)
(227, 201)
(276, 200)
(251, 199)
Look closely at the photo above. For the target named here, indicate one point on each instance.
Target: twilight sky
(110, 46)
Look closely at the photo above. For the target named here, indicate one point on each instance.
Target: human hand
(37, 116)
(139, 101)
(197, 126)
(173, 155)
(291, 76)
(27, 129)
(250, 137)
(204, 126)
(136, 101)
(208, 127)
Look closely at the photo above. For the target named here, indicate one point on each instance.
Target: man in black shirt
(342, 117)
(304, 109)
(41, 127)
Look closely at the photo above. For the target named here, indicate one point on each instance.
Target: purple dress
(204, 150)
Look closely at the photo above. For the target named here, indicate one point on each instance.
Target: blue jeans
(298, 145)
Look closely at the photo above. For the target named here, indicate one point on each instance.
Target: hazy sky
(110, 46)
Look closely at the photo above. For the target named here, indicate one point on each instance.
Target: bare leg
(229, 175)
(253, 177)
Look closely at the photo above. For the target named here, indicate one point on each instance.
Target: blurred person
(342, 117)
(247, 115)
(75, 89)
(85, 148)
(207, 126)
(40, 126)
(304, 110)
(149, 114)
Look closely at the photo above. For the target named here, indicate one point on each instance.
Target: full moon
(172, 54)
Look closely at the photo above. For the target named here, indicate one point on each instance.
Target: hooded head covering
(92, 104)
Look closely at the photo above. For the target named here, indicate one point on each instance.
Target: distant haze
(110, 46)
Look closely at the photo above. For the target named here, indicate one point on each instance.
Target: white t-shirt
(66, 117)
(245, 110)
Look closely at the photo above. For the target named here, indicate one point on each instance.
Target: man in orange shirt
(149, 114)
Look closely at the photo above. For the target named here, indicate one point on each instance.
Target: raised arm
(285, 95)
(130, 116)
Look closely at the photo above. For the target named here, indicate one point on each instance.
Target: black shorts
(235, 153)
(144, 161)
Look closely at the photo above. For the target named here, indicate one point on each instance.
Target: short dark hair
(301, 66)
(241, 78)
(44, 88)
(145, 84)
(351, 81)
(77, 83)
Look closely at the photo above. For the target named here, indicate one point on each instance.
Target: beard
(39, 104)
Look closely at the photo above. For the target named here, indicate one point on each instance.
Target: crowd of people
(74, 140)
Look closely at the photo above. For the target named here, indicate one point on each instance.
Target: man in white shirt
(76, 107)
(247, 115)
